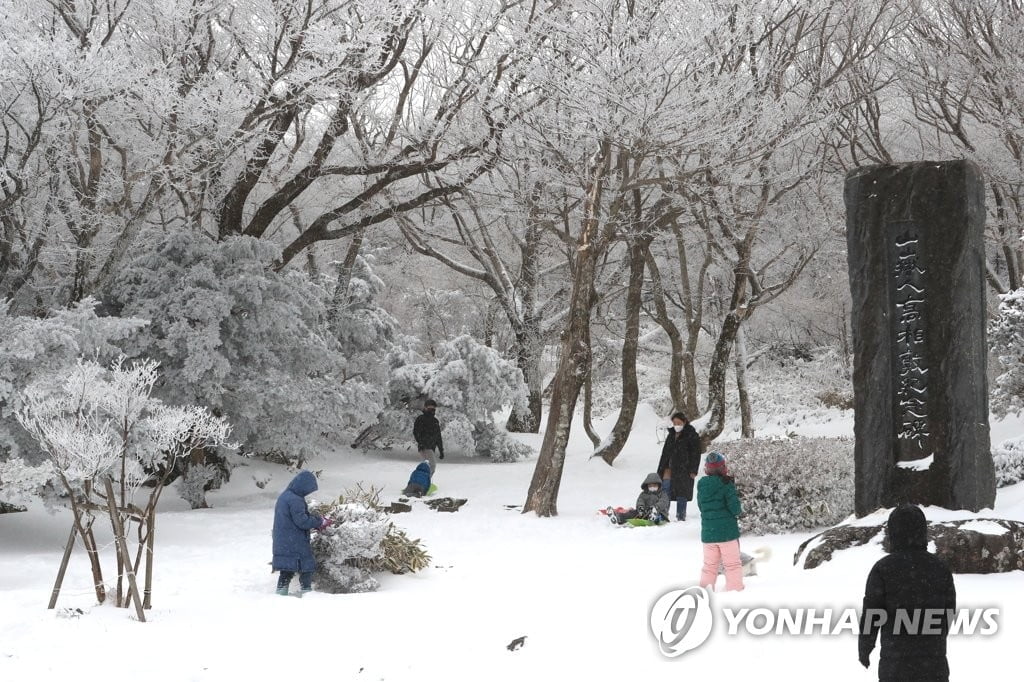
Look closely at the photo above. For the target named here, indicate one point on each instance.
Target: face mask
(653, 488)
(678, 427)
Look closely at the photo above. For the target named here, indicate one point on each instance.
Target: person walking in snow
(419, 481)
(650, 504)
(719, 506)
(292, 523)
(681, 455)
(427, 432)
(913, 581)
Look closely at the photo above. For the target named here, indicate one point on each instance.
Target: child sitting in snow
(651, 505)
(419, 481)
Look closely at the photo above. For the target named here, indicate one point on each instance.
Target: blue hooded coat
(292, 523)
(421, 475)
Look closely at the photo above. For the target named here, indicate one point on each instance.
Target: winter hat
(651, 479)
(907, 529)
(714, 463)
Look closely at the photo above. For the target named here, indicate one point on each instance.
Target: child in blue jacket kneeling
(419, 481)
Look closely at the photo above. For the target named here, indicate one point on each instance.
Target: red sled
(619, 510)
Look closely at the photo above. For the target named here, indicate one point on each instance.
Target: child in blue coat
(292, 523)
(419, 481)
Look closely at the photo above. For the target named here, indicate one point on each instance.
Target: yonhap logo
(681, 620)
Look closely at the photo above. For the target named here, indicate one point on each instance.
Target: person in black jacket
(427, 432)
(679, 463)
(904, 588)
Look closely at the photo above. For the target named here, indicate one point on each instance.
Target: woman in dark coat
(292, 523)
(679, 463)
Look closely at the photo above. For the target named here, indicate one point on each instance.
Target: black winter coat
(909, 578)
(681, 454)
(427, 432)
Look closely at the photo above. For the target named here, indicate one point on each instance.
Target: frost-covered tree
(109, 444)
(470, 382)
(1006, 337)
(261, 348)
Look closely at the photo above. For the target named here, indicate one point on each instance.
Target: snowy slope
(576, 587)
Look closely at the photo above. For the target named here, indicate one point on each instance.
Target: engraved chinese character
(914, 429)
(911, 310)
(910, 335)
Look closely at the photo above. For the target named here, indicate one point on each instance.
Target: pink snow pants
(728, 554)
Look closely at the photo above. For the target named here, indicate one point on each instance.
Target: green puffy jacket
(719, 506)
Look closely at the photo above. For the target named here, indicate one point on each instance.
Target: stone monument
(917, 278)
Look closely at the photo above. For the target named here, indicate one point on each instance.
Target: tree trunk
(693, 309)
(690, 406)
(630, 390)
(717, 378)
(340, 298)
(529, 344)
(738, 311)
(675, 339)
(746, 416)
(527, 352)
(588, 407)
(575, 352)
(573, 364)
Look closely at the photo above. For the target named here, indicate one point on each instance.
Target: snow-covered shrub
(255, 345)
(1006, 338)
(792, 484)
(362, 541)
(470, 382)
(22, 482)
(196, 481)
(1008, 458)
(36, 347)
(494, 442)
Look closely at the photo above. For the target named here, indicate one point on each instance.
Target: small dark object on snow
(70, 612)
(513, 506)
(398, 508)
(516, 643)
(446, 504)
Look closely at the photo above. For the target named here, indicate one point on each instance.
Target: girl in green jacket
(719, 531)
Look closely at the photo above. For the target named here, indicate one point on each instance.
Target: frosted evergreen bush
(289, 360)
(1008, 458)
(792, 484)
(471, 382)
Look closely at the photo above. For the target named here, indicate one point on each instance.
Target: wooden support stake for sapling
(122, 550)
(63, 567)
(150, 533)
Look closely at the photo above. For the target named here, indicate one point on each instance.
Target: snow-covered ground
(578, 588)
